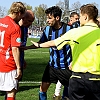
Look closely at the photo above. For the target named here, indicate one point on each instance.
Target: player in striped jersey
(57, 67)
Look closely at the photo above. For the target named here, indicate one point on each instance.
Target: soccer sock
(58, 88)
(10, 98)
(42, 95)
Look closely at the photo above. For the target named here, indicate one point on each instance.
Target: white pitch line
(37, 52)
(23, 82)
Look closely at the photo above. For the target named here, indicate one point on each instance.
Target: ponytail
(97, 22)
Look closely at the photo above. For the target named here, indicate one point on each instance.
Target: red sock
(10, 98)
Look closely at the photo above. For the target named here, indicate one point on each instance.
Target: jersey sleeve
(16, 38)
(63, 40)
(44, 36)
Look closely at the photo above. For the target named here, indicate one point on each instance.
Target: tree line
(39, 11)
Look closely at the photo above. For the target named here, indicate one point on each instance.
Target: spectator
(74, 16)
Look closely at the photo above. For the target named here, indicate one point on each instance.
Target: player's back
(7, 28)
(9, 37)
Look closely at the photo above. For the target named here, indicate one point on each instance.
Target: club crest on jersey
(18, 40)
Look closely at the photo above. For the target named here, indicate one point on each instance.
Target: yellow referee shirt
(85, 44)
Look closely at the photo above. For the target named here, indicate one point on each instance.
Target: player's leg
(11, 94)
(44, 85)
(65, 93)
(43, 89)
(5, 97)
(64, 75)
(49, 77)
(9, 84)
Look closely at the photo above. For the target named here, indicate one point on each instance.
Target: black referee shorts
(84, 86)
(52, 75)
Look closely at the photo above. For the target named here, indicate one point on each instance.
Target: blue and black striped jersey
(58, 58)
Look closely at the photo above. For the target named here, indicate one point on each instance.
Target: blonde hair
(17, 7)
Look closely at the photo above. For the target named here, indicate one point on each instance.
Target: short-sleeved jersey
(10, 36)
(59, 59)
(85, 44)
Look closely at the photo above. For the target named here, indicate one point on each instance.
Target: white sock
(58, 88)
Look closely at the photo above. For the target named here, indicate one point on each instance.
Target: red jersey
(10, 36)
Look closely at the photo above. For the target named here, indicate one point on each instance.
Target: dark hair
(74, 13)
(91, 11)
(55, 11)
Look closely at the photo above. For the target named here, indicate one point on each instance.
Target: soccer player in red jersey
(10, 40)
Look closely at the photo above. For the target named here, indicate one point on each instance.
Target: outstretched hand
(35, 44)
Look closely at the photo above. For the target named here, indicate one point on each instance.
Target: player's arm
(16, 55)
(45, 44)
(59, 43)
(29, 47)
(67, 38)
(42, 39)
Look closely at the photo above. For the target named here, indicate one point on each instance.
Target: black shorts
(82, 87)
(52, 75)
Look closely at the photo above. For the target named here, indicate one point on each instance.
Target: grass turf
(36, 60)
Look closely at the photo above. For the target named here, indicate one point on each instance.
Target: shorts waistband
(86, 75)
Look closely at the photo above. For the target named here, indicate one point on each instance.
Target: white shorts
(8, 81)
